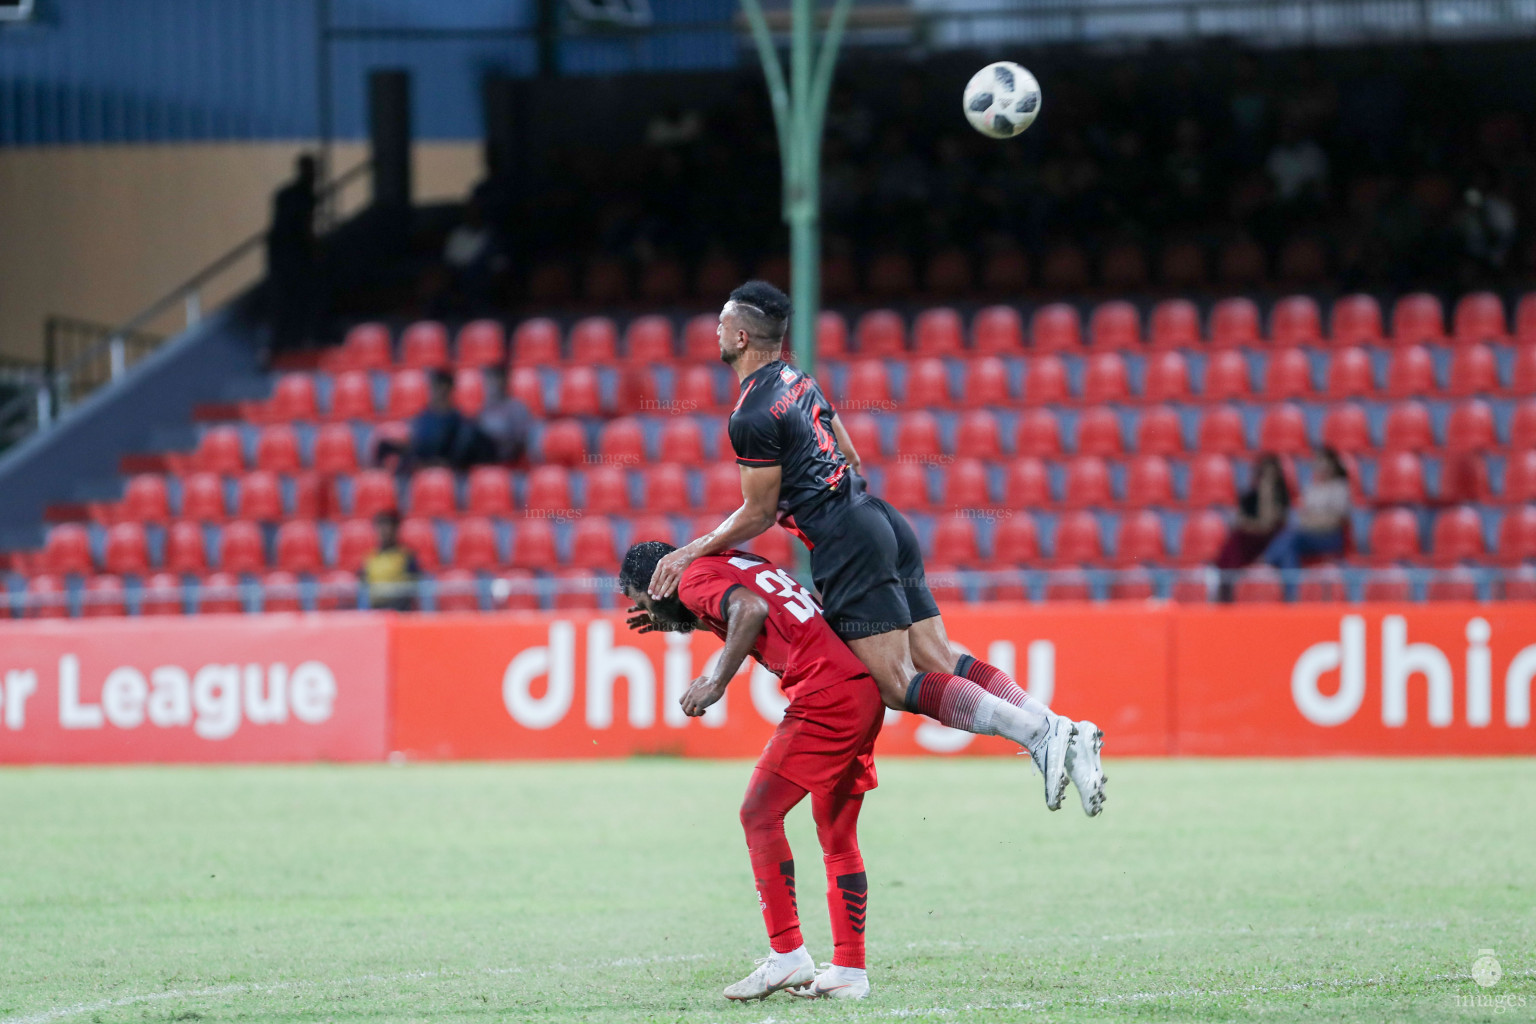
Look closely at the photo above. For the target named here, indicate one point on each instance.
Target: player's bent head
(635, 580)
(760, 312)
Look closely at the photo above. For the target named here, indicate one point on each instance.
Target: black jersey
(783, 419)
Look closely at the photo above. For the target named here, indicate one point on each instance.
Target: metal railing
(83, 368)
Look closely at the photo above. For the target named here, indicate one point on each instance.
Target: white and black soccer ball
(1002, 100)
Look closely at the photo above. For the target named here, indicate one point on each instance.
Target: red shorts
(826, 742)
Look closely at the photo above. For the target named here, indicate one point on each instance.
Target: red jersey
(796, 643)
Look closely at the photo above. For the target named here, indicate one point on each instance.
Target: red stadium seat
(515, 590)
(457, 591)
(917, 436)
(424, 346)
(774, 544)
(1045, 381)
(1355, 320)
(864, 431)
(474, 542)
(1411, 373)
(409, 394)
(663, 282)
(1458, 537)
(1026, 484)
(722, 487)
(637, 389)
(927, 383)
(219, 594)
(563, 443)
(1259, 585)
(1006, 271)
(335, 449)
(549, 489)
(648, 339)
(482, 343)
(1160, 432)
(594, 341)
(1470, 427)
(336, 588)
(432, 493)
(1480, 318)
(1183, 266)
(202, 498)
(1295, 320)
(1065, 269)
(161, 595)
(1226, 377)
(1098, 433)
(469, 391)
(693, 389)
(241, 549)
(1417, 319)
(1115, 325)
(622, 442)
(1408, 428)
(1519, 477)
(103, 597)
(1201, 537)
(1175, 324)
(1149, 482)
(580, 393)
(1303, 261)
(1133, 584)
(1039, 434)
(831, 336)
(1211, 482)
(1087, 483)
(1399, 479)
(868, 386)
(259, 497)
(997, 330)
(1016, 541)
(293, 398)
(1517, 535)
(1349, 374)
(880, 332)
(1464, 479)
(1452, 585)
(419, 537)
(356, 539)
(593, 545)
(1139, 539)
(1068, 585)
(938, 332)
(536, 342)
(1166, 378)
(1105, 379)
(607, 491)
(298, 547)
(948, 273)
(1522, 426)
(954, 541)
(1346, 429)
(682, 441)
(1235, 324)
(1221, 432)
(219, 450)
(1123, 267)
(890, 276)
(1288, 375)
(277, 449)
(47, 597)
(489, 492)
(906, 485)
(186, 549)
(978, 435)
(1322, 583)
(964, 485)
(1474, 371)
(986, 382)
(146, 499)
(1077, 540)
(366, 347)
(373, 491)
(127, 550)
(1394, 536)
(1284, 431)
(1056, 328)
(666, 489)
(351, 396)
(701, 338)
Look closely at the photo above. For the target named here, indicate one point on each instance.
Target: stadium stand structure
(1041, 454)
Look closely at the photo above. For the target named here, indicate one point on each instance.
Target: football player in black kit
(799, 468)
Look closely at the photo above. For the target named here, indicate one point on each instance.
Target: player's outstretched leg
(837, 820)
(788, 964)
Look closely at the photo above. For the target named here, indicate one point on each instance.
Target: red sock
(992, 679)
(769, 798)
(837, 821)
(950, 700)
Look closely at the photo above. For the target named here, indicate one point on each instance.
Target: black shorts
(868, 565)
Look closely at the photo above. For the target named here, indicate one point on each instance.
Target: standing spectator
(1298, 167)
(1261, 513)
(1316, 525)
(503, 423)
(292, 261)
(390, 572)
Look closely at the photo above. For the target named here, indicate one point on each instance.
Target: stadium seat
(906, 485)
(1417, 319)
(356, 539)
(1258, 585)
(964, 484)
(1355, 320)
(1098, 433)
(336, 589)
(775, 545)
(1470, 428)
(515, 590)
(241, 549)
(1519, 477)
(693, 390)
(622, 442)
(1457, 537)
(373, 491)
(1166, 378)
(864, 431)
(722, 487)
(1016, 541)
(469, 391)
(648, 339)
(202, 498)
(47, 597)
(1077, 540)
(978, 435)
(1464, 478)
(563, 443)
(103, 597)
(1064, 269)
(1226, 377)
(1303, 261)
(890, 276)
(1114, 326)
(1517, 535)
(127, 550)
(1160, 432)
(1524, 376)
(219, 450)
(593, 545)
(948, 273)
(481, 343)
(606, 492)
(489, 492)
(259, 497)
(1408, 428)
(1283, 431)
(1411, 373)
(161, 595)
(418, 536)
(1295, 320)
(1346, 429)
(549, 489)
(1006, 271)
(1399, 479)
(1134, 583)
(366, 347)
(986, 382)
(1026, 484)
(1068, 585)
(663, 282)
(868, 386)
(1149, 482)
(1235, 324)
(409, 394)
(424, 346)
(1455, 584)
(432, 493)
(1087, 484)
(954, 541)
(335, 449)
(186, 548)
(880, 332)
(701, 338)
(917, 436)
(1038, 434)
(1211, 482)
(1349, 374)
(1123, 267)
(1105, 379)
(1175, 324)
(1202, 537)
(1522, 426)
(525, 385)
(1139, 539)
(1221, 432)
(219, 594)
(1474, 371)
(1056, 328)
(293, 398)
(682, 441)
(1394, 536)
(1288, 375)
(277, 449)
(298, 547)
(536, 342)
(938, 332)
(927, 383)
(474, 542)
(1321, 584)
(997, 330)
(1480, 319)
(666, 489)
(1182, 266)
(351, 396)
(457, 590)
(551, 284)
(594, 341)
(831, 336)
(146, 499)
(1045, 381)
(577, 589)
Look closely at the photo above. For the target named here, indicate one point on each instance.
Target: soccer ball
(1002, 100)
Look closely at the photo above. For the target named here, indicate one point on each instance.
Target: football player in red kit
(823, 747)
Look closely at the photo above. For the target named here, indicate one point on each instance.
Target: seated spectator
(440, 434)
(390, 573)
(503, 424)
(1261, 513)
(1316, 526)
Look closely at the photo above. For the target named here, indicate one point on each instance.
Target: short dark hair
(1334, 461)
(442, 379)
(767, 310)
(640, 563)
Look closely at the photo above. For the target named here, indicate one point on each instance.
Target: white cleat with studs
(836, 982)
(775, 971)
(1084, 767)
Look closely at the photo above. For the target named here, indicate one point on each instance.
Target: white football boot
(836, 982)
(775, 971)
(1084, 767)
(1050, 757)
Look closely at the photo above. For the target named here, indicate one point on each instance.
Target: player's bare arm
(759, 510)
(746, 612)
(845, 443)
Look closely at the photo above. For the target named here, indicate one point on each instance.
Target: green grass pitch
(620, 891)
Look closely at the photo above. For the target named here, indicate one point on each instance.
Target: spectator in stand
(1487, 224)
(1261, 514)
(473, 257)
(440, 434)
(389, 574)
(1298, 167)
(504, 422)
(292, 262)
(1317, 524)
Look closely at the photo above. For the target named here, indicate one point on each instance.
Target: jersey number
(778, 583)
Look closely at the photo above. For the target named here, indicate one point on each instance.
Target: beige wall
(100, 232)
